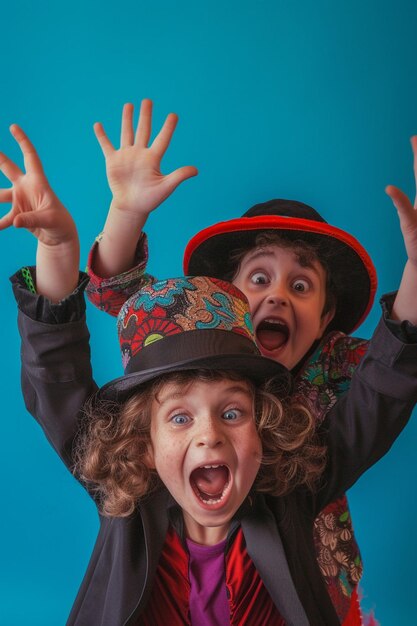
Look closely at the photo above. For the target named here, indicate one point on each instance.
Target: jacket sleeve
(364, 423)
(56, 369)
(109, 294)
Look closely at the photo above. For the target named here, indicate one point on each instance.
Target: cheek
(160, 451)
(252, 452)
(310, 316)
(251, 466)
(149, 458)
(168, 457)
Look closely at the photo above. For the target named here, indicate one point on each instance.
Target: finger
(401, 202)
(9, 169)
(30, 156)
(105, 143)
(163, 138)
(144, 129)
(414, 148)
(178, 176)
(6, 220)
(127, 134)
(6, 195)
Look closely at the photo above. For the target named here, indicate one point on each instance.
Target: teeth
(210, 466)
(270, 321)
(212, 500)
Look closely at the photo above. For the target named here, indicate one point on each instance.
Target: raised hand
(138, 186)
(134, 170)
(35, 206)
(405, 305)
(406, 211)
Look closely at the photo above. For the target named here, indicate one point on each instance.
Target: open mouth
(272, 334)
(210, 483)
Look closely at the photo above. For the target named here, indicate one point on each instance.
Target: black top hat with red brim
(353, 273)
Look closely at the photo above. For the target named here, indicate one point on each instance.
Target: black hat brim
(201, 349)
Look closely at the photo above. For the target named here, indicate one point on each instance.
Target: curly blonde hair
(112, 448)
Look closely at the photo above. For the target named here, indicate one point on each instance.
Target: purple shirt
(208, 598)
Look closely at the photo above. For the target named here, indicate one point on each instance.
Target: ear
(325, 321)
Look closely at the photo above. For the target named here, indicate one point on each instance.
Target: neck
(204, 535)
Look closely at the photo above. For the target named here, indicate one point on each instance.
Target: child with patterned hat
(207, 485)
(308, 284)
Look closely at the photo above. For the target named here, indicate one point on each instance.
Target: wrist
(125, 217)
(405, 304)
(57, 270)
(59, 249)
(121, 230)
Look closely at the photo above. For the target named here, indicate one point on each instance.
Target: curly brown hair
(112, 448)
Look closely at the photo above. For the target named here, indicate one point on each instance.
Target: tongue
(271, 339)
(211, 481)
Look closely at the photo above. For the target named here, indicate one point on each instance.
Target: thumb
(182, 173)
(32, 220)
(400, 200)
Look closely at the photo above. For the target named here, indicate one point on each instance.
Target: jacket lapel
(264, 546)
(153, 512)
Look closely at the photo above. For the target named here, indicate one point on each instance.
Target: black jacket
(57, 379)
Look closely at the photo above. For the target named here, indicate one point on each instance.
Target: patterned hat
(353, 273)
(188, 323)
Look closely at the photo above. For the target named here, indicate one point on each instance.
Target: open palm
(34, 204)
(134, 170)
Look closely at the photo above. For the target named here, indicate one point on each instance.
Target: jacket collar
(263, 543)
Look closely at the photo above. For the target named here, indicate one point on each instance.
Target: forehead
(275, 254)
(177, 390)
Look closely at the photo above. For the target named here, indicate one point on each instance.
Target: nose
(210, 433)
(277, 294)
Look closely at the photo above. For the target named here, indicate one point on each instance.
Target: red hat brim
(208, 251)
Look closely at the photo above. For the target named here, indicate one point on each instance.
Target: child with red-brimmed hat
(207, 484)
(308, 284)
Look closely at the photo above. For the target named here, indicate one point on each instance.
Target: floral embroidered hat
(353, 274)
(185, 323)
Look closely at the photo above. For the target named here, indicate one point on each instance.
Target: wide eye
(179, 419)
(231, 414)
(259, 278)
(301, 285)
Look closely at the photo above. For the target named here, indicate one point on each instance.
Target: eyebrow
(238, 389)
(258, 252)
(171, 396)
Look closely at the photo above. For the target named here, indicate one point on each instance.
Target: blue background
(303, 100)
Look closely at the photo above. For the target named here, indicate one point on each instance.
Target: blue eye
(179, 419)
(231, 414)
(259, 278)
